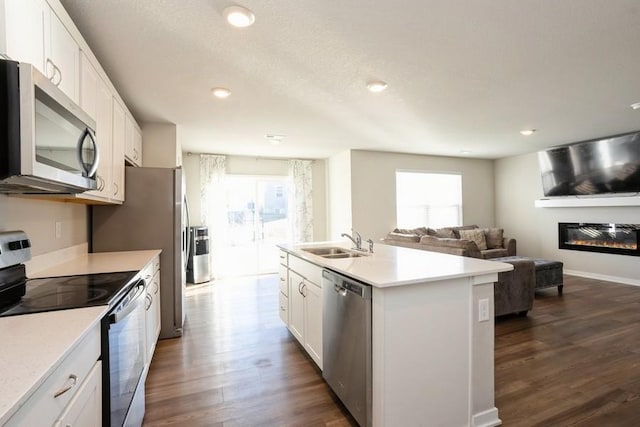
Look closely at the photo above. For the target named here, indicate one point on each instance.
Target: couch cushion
(493, 237)
(404, 237)
(421, 231)
(494, 253)
(446, 232)
(475, 235)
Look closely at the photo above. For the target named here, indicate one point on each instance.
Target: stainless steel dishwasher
(346, 342)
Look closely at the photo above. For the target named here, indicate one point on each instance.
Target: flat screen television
(601, 166)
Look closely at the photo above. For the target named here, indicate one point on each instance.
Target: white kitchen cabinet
(133, 142)
(61, 56)
(305, 306)
(296, 306)
(73, 377)
(118, 141)
(85, 409)
(24, 26)
(88, 87)
(152, 316)
(313, 321)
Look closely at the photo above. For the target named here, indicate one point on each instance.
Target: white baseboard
(616, 279)
(488, 418)
(48, 260)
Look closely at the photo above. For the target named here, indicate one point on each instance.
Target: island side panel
(482, 391)
(421, 353)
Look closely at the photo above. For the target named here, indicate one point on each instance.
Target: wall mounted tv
(601, 166)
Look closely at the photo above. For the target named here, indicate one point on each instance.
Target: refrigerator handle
(187, 234)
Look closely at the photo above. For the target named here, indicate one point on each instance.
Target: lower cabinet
(72, 392)
(151, 274)
(305, 312)
(85, 409)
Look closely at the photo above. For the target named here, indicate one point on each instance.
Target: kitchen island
(432, 331)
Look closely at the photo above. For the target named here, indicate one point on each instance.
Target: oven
(123, 358)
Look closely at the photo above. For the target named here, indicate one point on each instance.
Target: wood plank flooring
(574, 361)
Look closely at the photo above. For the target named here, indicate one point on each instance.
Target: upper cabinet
(61, 56)
(133, 146)
(25, 31)
(40, 32)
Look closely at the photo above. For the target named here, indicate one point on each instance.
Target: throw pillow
(446, 232)
(476, 236)
(456, 230)
(493, 237)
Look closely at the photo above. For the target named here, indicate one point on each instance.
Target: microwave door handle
(90, 171)
(131, 305)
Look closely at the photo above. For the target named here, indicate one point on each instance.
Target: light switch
(483, 310)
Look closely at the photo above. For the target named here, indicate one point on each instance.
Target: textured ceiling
(462, 74)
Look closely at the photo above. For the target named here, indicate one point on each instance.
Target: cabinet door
(61, 56)
(313, 321)
(283, 279)
(118, 152)
(25, 31)
(296, 306)
(88, 87)
(133, 142)
(85, 409)
(152, 318)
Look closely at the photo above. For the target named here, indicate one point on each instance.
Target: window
(428, 199)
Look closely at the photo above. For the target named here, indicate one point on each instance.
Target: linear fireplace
(623, 239)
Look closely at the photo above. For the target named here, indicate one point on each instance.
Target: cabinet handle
(56, 70)
(147, 277)
(149, 299)
(135, 154)
(304, 294)
(116, 186)
(157, 287)
(283, 309)
(63, 390)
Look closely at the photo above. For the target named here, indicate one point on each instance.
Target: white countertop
(395, 266)
(101, 262)
(33, 345)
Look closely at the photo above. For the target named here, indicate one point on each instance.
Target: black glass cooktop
(60, 293)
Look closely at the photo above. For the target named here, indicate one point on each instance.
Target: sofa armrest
(514, 290)
(510, 245)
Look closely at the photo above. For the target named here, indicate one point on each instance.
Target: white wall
(339, 194)
(38, 218)
(518, 185)
(373, 188)
(242, 165)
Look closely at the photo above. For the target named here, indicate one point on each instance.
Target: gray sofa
(452, 240)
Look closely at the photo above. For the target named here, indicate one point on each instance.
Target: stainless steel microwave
(48, 143)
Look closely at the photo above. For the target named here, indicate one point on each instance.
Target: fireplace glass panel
(607, 238)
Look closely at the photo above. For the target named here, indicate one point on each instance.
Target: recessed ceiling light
(274, 139)
(636, 106)
(220, 92)
(527, 132)
(239, 16)
(376, 86)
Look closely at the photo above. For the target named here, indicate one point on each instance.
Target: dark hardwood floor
(574, 361)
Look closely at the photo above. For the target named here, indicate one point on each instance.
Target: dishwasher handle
(345, 285)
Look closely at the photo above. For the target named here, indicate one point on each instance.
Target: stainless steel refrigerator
(154, 216)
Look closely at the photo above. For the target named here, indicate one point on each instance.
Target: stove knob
(26, 244)
(15, 245)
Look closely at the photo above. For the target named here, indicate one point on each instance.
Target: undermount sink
(326, 251)
(333, 252)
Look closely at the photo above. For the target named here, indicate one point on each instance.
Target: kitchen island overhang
(433, 358)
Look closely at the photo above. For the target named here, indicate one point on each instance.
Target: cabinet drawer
(283, 279)
(85, 409)
(284, 258)
(284, 308)
(308, 270)
(43, 408)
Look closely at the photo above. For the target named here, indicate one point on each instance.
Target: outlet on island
(483, 310)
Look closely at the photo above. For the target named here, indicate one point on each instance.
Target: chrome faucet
(357, 241)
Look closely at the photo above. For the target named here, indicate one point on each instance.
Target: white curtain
(300, 200)
(213, 195)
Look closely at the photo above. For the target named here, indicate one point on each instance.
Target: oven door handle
(131, 304)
